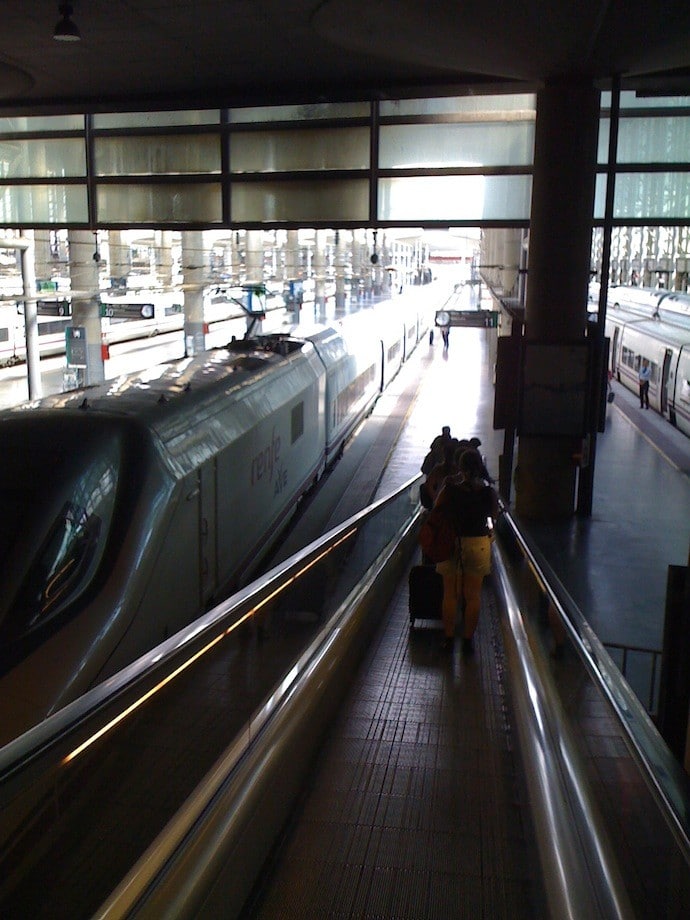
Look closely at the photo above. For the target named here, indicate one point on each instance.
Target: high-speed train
(130, 507)
(666, 345)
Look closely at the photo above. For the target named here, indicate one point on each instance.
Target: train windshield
(58, 498)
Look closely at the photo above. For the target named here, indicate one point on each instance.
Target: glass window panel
(459, 105)
(43, 204)
(156, 119)
(654, 140)
(436, 146)
(41, 123)
(165, 203)
(652, 195)
(629, 100)
(301, 201)
(312, 111)
(271, 151)
(455, 198)
(603, 145)
(44, 159)
(157, 155)
(600, 197)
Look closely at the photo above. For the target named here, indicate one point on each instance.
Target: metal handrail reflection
(661, 772)
(63, 735)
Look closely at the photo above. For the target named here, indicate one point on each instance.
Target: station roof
(211, 53)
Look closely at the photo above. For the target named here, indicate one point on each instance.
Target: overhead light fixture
(66, 30)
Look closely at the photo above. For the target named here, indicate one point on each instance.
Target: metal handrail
(581, 876)
(579, 868)
(54, 737)
(661, 772)
(580, 872)
(219, 817)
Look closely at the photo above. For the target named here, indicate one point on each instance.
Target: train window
(65, 532)
(684, 390)
(297, 422)
(64, 556)
(628, 357)
(355, 392)
(654, 376)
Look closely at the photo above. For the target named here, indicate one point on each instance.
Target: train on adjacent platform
(129, 510)
(634, 336)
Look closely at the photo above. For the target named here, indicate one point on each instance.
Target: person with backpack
(472, 505)
(437, 476)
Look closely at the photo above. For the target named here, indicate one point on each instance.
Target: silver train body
(666, 345)
(132, 507)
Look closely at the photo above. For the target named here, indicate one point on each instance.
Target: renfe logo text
(266, 460)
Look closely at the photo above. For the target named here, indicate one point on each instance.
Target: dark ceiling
(174, 53)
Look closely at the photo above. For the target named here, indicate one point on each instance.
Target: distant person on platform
(445, 334)
(436, 449)
(644, 376)
(441, 440)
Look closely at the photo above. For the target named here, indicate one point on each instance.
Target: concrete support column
(339, 262)
(229, 257)
(236, 274)
(384, 261)
(512, 243)
(356, 291)
(556, 305)
(319, 268)
(43, 257)
(83, 270)
(254, 258)
(376, 285)
(193, 277)
(118, 256)
(292, 263)
(27, 255)
(165, 257)
(254, 271)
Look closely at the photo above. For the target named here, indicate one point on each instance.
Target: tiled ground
(415, 807)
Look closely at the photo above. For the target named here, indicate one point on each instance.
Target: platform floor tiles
(415, 807)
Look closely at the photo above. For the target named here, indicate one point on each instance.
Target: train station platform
(417, 804)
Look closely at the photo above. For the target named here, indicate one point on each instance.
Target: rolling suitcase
(426, 593)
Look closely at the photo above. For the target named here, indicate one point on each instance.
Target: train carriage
(666, 346)
(392, 332)
(353, 373)
(165, 490)
(143, 519)
(50, 321)
(679, 405)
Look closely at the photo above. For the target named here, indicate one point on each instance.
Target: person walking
(473, 506)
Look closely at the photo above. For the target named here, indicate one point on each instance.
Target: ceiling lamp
(66, 30)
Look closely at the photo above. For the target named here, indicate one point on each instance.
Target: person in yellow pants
(473, 505)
